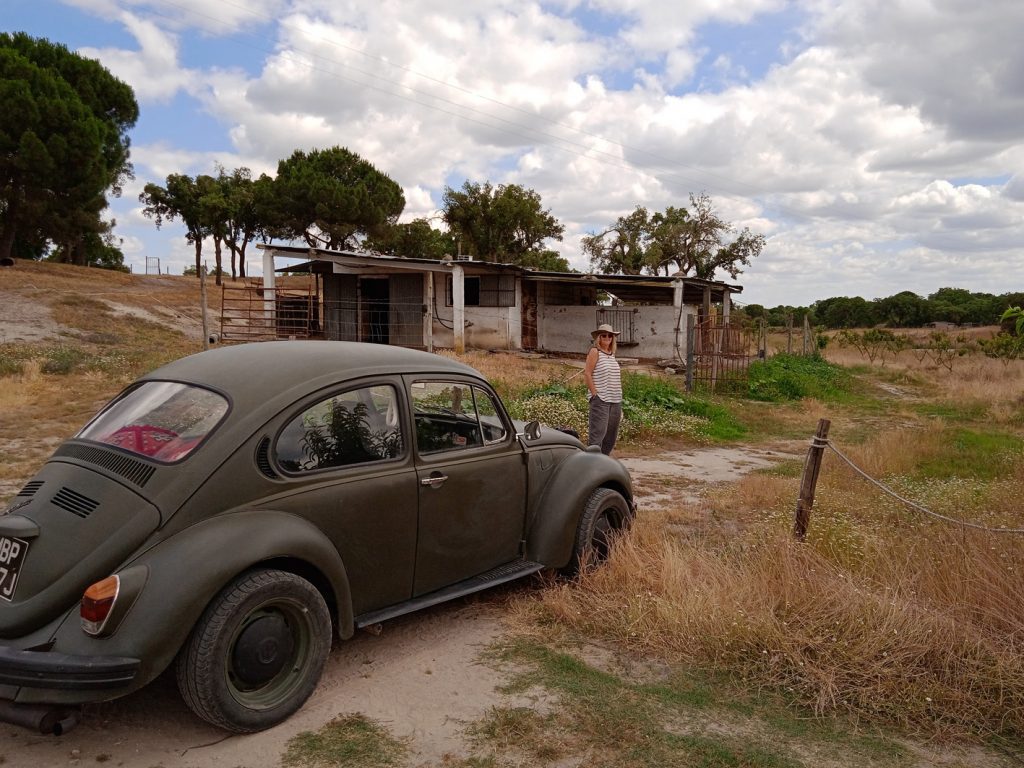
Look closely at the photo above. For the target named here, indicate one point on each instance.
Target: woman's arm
(588, 371)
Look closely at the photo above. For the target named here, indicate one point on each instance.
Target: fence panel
(718, 356)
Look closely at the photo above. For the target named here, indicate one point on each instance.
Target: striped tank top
(607, 378)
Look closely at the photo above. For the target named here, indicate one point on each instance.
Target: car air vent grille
(263, 459)
(74, 502)
(125, 466)
(31, 488)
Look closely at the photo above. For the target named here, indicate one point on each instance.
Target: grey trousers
(603, 426)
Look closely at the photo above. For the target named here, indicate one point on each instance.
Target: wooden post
(202, 300)
(809, 481)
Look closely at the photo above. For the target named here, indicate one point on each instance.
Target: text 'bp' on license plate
(12, 555)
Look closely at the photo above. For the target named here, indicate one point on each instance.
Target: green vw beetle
(232, 511)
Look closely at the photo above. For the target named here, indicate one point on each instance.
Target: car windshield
(162, 420)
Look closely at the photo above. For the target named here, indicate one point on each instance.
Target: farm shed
(461, 303)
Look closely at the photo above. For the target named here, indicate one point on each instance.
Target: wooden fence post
(202, 302)
(809, 481)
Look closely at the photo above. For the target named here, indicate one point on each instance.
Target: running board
(504, 573)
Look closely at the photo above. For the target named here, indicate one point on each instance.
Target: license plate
(12, 555)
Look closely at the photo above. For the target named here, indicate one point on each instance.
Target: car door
(347, 454)
(471, 483)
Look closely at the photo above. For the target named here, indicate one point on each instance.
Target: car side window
(446, 416)
(490, 417)
(352, 427)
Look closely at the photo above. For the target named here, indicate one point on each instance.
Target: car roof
(258, 368)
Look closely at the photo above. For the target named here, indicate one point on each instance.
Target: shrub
(794, 377)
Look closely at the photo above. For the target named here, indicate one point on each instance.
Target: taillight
(97, 603)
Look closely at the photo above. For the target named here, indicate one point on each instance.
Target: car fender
(552, 524)
(185, 572)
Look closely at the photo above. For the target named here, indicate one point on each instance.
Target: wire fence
(818, 444)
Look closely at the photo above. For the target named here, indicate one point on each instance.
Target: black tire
(604, 514)
(257, 652)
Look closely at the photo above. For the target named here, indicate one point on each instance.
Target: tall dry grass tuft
(885, 613)
(781, 615)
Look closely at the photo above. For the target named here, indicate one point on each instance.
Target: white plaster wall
(486, 327)
(567, 329)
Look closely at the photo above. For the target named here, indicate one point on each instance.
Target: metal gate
(718, 355)
(248, 315)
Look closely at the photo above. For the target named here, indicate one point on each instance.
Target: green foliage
(330, 197)
(1016, 316)
(415, 239)
(874, 343)
(654, 396)
(62, 360)
(63, 144)
(179, 200)
(982, 455)
(693, 242)
(651, 407)
(1005, 347)
(505, 224)
(350, 740)
(793, 377)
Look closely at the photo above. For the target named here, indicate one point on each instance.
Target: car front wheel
(604, 513)
(257, 652)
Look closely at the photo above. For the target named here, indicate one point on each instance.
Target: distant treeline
(902, 310)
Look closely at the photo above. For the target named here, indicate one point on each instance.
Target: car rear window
(161, 420)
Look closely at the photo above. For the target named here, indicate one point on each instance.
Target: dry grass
(885, 614)
(94, 348)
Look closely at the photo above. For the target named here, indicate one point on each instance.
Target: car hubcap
(265, 647)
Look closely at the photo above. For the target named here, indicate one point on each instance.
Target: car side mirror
(532, 430)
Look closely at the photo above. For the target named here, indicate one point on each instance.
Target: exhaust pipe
(42, 718)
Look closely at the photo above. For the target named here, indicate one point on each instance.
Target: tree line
(901, 310)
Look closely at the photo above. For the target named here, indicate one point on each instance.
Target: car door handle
(436, 480)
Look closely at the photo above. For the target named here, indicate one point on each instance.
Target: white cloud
(850, 151)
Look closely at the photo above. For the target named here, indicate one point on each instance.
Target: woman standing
(604, 380)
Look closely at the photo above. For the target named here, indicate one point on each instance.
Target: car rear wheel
(257, 652)
(604, 513)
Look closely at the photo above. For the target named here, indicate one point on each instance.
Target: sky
(877, 144)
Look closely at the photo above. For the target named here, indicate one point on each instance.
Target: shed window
(485, 291)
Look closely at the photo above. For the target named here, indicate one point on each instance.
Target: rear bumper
(65, 672)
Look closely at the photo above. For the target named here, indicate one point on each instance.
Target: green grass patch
(652, 407)
(352, 740)
(794, 377)
(63, 359)
(687, 719)
(970, 454)
(958, 413)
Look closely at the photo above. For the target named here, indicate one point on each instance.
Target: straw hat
(604, 328)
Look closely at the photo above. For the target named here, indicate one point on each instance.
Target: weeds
(794, 377)
(353, 740)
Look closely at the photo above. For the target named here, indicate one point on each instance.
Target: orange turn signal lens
(97, 603)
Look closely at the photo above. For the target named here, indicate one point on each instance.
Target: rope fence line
(817, 446)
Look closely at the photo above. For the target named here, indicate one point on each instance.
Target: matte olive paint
(550, 539)
(368, 536)
(185, 574)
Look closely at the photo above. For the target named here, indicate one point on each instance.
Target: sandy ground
(421, 677)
